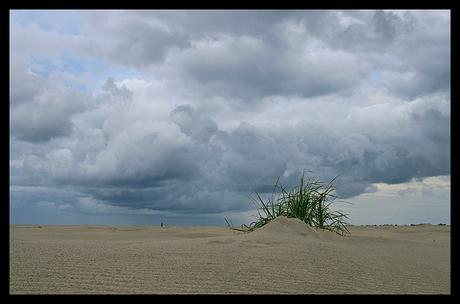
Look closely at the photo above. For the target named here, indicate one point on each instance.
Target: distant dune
(283, 257)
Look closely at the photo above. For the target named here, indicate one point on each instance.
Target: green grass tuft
(309, 201)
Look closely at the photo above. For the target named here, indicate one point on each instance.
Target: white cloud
(93, 206)
(412, 202)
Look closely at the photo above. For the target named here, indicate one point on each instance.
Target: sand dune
(285, 256)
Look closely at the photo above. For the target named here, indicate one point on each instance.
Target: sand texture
(285, 256)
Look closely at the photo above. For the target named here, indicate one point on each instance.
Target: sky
(142, 117)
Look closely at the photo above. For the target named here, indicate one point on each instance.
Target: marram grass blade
(309, 201)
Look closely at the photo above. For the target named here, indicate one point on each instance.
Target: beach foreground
(285, 256)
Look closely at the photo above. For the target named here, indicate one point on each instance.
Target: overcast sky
(142, 117)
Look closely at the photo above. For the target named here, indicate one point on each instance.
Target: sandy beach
(284, 257)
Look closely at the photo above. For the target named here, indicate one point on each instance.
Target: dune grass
(309, 201)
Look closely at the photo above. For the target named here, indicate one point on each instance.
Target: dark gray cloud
(285, 61)
(174, 166)
(200, 128)
(415, 50)
(229, 101)
(40, 111)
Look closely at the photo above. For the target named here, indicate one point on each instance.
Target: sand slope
(285, 256)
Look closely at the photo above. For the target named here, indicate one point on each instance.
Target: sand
(284, 257)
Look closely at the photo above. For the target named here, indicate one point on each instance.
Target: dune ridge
(285, 256)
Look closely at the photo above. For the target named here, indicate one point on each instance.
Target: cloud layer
(188, 111)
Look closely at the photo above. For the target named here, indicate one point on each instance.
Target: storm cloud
(187, 112)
